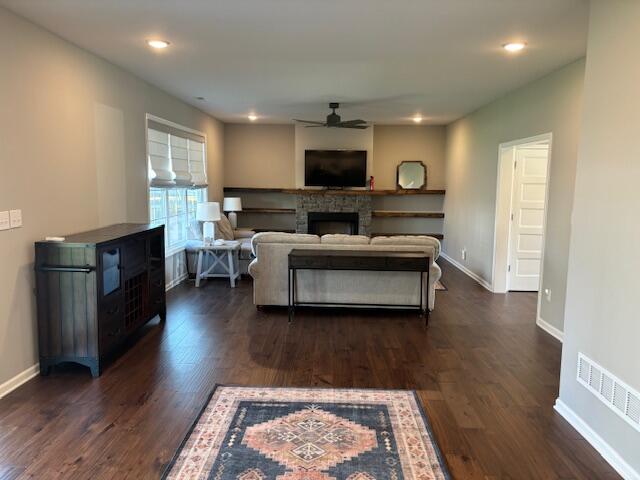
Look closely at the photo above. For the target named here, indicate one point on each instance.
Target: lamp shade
(208, 212)
(232, 204)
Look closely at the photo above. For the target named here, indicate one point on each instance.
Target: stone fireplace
(330, 212)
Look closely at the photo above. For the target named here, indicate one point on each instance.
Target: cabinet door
(110, 271)
(134, 257)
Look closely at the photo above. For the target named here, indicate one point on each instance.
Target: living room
(278, 231)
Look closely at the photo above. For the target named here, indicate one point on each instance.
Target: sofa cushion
(239, 233)
(245, 249)
(409, 240)
(280, 237)
(342, 239)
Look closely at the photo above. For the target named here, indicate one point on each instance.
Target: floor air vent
(617, 395)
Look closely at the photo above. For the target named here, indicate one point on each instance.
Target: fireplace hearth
(321, 223)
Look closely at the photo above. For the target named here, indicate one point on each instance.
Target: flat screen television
(335, 168)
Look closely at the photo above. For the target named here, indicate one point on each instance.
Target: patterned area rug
(247, 433)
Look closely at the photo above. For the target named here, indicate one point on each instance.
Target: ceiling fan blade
(314, 126)
(352, 122)
(309, 121)
(359, 127)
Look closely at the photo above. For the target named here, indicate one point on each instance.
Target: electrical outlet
(15, 218)
(464, 254)
(547, 294)
(4, 221)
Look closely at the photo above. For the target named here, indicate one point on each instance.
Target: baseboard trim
(550, 329)
(603, 448)
(177, 281)
(468, 272)
(21, 378)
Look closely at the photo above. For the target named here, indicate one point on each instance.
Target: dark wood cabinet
(95, 289)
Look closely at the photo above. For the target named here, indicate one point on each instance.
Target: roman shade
(176, 157)
(180, 160)
(197, 167)
(160, 159)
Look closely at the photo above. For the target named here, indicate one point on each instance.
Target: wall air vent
(613, 392)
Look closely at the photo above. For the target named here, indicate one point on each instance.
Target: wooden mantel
(304, 191)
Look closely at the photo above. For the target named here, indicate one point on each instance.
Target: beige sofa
(270, 271)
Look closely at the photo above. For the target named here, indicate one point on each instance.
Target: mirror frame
(424, 183)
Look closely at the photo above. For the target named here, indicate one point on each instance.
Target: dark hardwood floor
(488, 378)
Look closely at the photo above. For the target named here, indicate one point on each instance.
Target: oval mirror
(412, 175)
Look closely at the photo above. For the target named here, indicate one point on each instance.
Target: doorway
(521, 209)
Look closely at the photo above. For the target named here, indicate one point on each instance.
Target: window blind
(160, 159)
(177, 157)
(180, 160)
(197, 167)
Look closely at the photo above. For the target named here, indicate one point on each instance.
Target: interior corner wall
(601, 317)
(551, 104)
(73, 157)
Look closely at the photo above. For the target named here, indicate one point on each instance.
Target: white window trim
(168, 252)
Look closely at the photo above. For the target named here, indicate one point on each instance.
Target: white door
(527, 217)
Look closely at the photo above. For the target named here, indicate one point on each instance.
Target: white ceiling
(386, 60)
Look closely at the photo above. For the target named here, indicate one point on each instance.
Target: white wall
(330, 138)
(393, 144)
(72, 157)
(603, 304)
(259, 156)
(549, 105)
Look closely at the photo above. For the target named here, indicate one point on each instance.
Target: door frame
(502, 228)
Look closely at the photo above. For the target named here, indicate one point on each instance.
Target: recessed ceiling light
(253, 117)
(514, 47)
(417, 118)
(158, 44)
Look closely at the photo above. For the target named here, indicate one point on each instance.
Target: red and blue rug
(247, 433)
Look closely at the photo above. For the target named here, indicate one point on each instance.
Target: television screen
(335, 168)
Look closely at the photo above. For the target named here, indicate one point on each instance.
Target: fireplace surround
(359, 206)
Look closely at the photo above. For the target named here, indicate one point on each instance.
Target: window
(177, 180)
(175, 208)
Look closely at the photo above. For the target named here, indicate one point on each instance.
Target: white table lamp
(232, 205)
(208, 212)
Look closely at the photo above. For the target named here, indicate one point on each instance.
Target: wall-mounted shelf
(406, 214)
(252, 190)
(439, 236)
(297, 191)
(268, 210)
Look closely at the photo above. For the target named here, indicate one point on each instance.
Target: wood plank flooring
(488, 378)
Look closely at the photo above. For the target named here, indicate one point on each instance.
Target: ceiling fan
(334, 120)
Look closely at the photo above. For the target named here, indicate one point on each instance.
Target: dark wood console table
(358, 260)
(95, 289)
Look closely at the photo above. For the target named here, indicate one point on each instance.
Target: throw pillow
(224, 229)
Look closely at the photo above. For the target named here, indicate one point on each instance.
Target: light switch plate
(4, 220)
(15, 218)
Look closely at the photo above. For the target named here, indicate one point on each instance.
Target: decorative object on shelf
(232, 205)
(209, 213)
(411, 175)
(372, 184)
